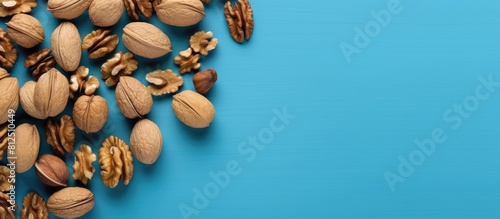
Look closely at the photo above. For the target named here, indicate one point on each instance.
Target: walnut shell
(180, 13)
(133, 98)
(27, 146)
(67, 9)
(105, 13)
(66, 46)
(146, 40)
(27, 99)
(9, 98)
(146, 141)
(90, 113)
(25, 30)
(51, 93)
(71, 202)
(193, 109)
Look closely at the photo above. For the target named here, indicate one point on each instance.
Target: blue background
(353, 120)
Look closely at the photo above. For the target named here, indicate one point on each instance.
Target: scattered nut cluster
(47, 96)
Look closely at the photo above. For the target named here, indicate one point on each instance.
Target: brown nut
(120, 65)
(4, 138)
(105, 13)
(146, 141)
(116, 162)
(146, 40)
(8, 53)
(71, 202)
(51, 94)
(5, 183)
(34, 207)
(40, 62)
(67, 9)
(11, 7)
(239, 19)
(6, 211)
(202, 42)
(180, 13)
(99, 43)
(52, 170)
(163, 82)
(66, 46)
(204, 80)
(25, 30)
(61, 135)
(137, 7)
(187, 61)
(193, 109)
(9, 100)
(90, 113)
(133, 98)
(27, 146)
(83, 169)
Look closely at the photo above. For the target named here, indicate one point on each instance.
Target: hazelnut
(204, 80)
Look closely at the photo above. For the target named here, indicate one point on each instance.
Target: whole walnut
(47, 97)
(133, 98)
(25, 30)
(105, 13)
(181, 13)
(90, 113)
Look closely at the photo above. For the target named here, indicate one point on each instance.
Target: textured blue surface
(353, 122)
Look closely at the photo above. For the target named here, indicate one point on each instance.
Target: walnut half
(120, 65)
(83, 169)
(163, 82)
(239, 19)
(137, 7)
(61, 135)
(5, 212)
(34, 207)
(116, 162)
(202, 42)
(4, 179)
(8, 53)
(187, 60)
(99, 43)
(40, 62)
(77, 83)
(12, 7)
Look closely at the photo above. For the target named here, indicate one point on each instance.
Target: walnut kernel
(239, 19)
(116, 162)
(187, 61)
(163, 82)
(83, 169)
(120, 65)
(137, 7)
(202, 42)
(40, 62)
(12, 7)
(8, 53)
(61, 135)
(99, 43)
(34, 207)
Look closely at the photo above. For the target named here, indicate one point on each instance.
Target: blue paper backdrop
(319, 115)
